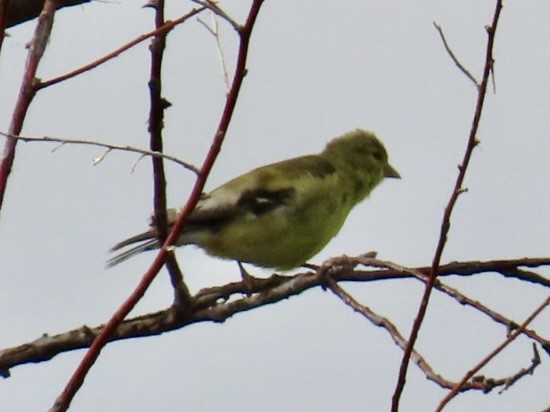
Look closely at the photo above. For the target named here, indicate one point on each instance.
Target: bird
(280, 215)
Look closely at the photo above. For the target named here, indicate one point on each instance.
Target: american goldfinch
(280, 215)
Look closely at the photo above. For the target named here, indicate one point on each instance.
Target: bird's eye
(378, 156)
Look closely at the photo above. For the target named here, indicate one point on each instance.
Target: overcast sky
(316, 70)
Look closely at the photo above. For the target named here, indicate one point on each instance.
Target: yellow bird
(280, 215)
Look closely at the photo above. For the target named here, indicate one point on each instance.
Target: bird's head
(361, 152)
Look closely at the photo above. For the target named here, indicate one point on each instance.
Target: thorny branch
(157, 106)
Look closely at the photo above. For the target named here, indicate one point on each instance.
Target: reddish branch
(27, 91)
(164, 29)
(446, 223)
(63, 401)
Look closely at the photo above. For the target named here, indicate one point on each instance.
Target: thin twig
(491, 355)
(108, 146)
(454, 58)
(212, 6)
(386, 324)
(214, 31)
(535, 361)
(446, 221)
(449, 291)
(485, 385)
(168, 26)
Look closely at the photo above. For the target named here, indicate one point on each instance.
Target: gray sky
(315, 71)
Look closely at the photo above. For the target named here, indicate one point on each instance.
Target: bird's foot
(251, 283)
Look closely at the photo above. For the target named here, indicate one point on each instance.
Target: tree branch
(108, 146)
(63, 401)
(454, 58)
(485, 385)
(158, 104)
(27, 91)
(217, 304)
(495, 352)
(446, 221)
(164, 29)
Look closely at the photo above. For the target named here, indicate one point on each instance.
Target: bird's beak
(391, 172)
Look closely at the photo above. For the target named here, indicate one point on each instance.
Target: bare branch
(77, 379)
(212, 6)
(108, 146)
(454, 58)
(168, 26)
(535, 361)
(495, 352)
(386, 324)
(158, 105)
(453, 293)
(217, 304)
(214, 31)
(446, 220)
(485, 385)
(27, 91)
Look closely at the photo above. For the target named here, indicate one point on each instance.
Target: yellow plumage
(279, 215)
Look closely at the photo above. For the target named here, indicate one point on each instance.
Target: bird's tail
(147, 241)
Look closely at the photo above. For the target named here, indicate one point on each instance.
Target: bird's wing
(255, 193)
(259, 191)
